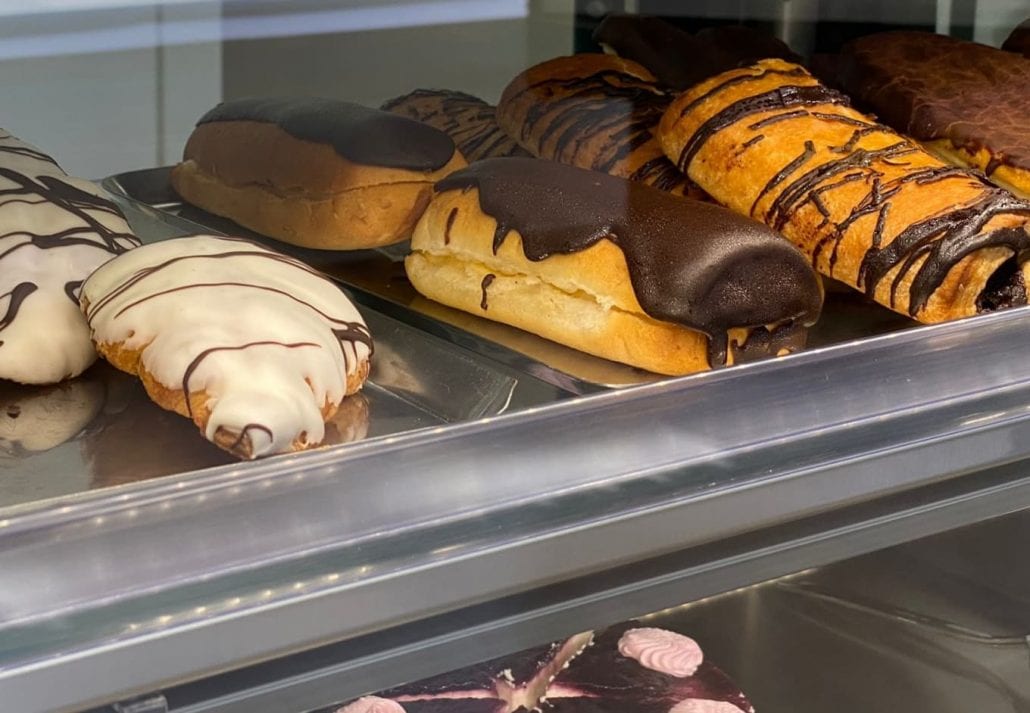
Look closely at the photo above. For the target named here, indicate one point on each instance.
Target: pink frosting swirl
(663, 651)
(372, 704)
(700, 705)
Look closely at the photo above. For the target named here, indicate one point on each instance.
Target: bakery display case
(846, 513)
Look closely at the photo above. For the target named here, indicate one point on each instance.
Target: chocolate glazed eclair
(610, 267)
(319, 173)
(869, 207)
(593, 111)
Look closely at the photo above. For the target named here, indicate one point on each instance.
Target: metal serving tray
(435, 547)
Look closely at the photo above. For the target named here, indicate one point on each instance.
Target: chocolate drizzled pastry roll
(1019, 40)
(966, 101)
(679, 59)
(869, 207)
(614, 268)
(593, 111)
(318, 173)
(468, 120)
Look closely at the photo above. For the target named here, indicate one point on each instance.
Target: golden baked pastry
(468, 120)
(869, 207)
(966, 101)
(593, 111)
(255, 347)
(318, 173)
(613, 268)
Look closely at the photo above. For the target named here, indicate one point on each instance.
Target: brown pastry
(318, 173)
(1019, 40)
(679, 59)
(593, 111)
(868, 206)
(611, 267)
(469, 121)
(966, 101)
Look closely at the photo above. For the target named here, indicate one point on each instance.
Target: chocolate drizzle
(449, 225)
(357, 133)
(694, 264)
(469, 121)
(15, 299)
(487, 281)
(603, 119)
(779, 98)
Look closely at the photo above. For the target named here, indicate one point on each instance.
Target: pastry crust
(869, 207)
(584, 299)
(301, 192)
(468, 120)
(594, 111)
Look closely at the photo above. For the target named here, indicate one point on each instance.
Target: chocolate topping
(1019, 40)
(936, 87)
(679, 59)
(468, 120)
(691, 263)
(357, 133)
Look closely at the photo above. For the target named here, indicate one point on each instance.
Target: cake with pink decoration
(628, 668)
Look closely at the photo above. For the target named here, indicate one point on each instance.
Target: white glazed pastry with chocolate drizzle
(257, 348)
(54, 231)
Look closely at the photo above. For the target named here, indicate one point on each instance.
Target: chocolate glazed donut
(869, 207)
(593, 111)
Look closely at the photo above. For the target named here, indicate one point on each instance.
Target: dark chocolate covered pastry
(611, 267)
(1019, 40)
(869, 207)
(593, 111)
(967, 101)
(319, 173)
(679, 59)
(468, 120)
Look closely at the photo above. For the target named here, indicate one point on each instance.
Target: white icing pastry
(54, 231)
(372, 704)
(268, 340)
(663, 651)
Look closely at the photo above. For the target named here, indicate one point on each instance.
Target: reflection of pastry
(318, 173)
(679, 59)
(869, 207)
(613, 268)
(38, 418)
(592, 111)
(54, 231)
(257, 348)
(469, 121)
(968, 101)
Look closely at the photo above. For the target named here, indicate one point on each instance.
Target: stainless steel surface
(258, 561)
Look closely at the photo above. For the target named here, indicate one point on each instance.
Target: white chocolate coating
(54, 231)
(700, 705)
(267, 339)
(372, 704)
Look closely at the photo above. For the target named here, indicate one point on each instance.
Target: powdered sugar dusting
(663, 651)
